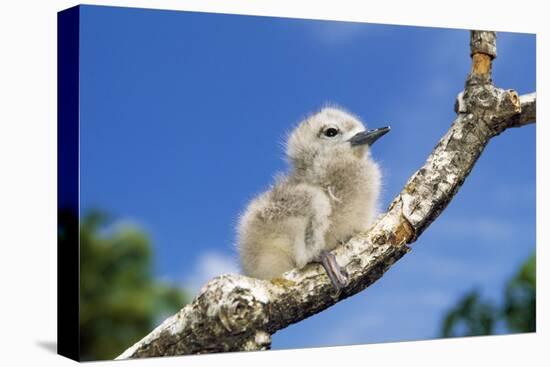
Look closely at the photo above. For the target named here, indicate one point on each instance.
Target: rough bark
(528, 113)
(234, 312)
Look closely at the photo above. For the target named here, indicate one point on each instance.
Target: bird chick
(330, 194)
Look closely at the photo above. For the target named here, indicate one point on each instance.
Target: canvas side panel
(68, 182)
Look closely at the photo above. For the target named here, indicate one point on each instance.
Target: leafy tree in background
(469, 317)
(520, 299)
(120, 301)
(474, 316)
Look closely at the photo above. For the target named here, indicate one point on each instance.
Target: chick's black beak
(368, 137)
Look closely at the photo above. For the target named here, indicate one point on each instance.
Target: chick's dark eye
(330, 132)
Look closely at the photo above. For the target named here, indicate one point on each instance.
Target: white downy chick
(330, 194)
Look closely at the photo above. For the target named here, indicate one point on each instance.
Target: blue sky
(182, 120)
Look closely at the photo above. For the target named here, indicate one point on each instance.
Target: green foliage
(474, 316)
(520, 304)
(120, 301)
(469, 317)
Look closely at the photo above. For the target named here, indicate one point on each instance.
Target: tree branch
(234, 312)
(528, 113)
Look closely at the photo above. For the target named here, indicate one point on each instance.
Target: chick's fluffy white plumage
(330, 194)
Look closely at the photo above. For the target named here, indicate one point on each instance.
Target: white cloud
(516, 195)
(332, 32)
(435, 298)
(449, 268)
(478, 227)
(351, 329)
(209, 265)
(385, 318)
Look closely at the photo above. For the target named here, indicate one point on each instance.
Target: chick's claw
(337, 275)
